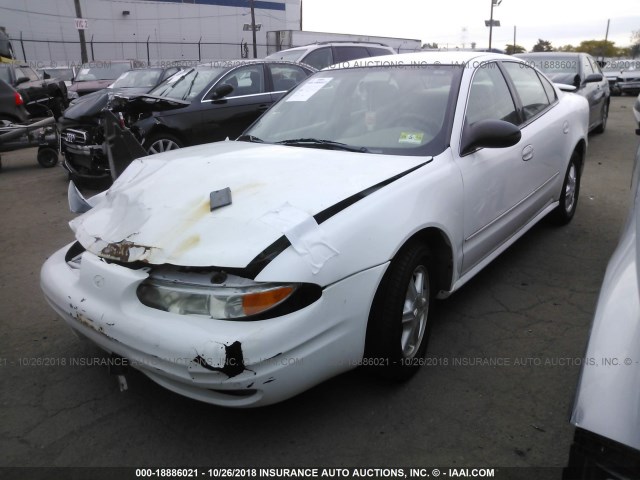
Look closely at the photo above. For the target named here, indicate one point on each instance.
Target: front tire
(565, 211)
(161, 142)
(399, 327)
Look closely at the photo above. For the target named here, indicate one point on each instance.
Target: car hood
(137, 104)
(87, 108)
(159, 210)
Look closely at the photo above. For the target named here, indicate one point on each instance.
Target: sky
(456, 22)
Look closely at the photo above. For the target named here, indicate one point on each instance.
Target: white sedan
(242, 273)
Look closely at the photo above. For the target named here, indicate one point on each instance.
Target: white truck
(282, 39)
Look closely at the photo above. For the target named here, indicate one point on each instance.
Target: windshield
(137, 78)
(188, 84)
(102, 71)
(398, 110)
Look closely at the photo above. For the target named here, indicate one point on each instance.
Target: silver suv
(323, 54)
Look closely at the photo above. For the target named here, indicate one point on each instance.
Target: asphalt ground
(496, 391)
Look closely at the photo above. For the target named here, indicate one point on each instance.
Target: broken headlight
(216, 295)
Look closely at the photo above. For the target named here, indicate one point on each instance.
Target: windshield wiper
(314, 142)
(249, 138)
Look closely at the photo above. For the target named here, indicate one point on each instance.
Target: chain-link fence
(46, 51)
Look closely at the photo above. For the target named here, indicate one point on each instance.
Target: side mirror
(221, 91)
(21, 80)
(489, 134)
(593, 78)
(577, 81)
(45, 75)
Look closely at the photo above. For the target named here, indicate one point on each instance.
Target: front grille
(75, 136)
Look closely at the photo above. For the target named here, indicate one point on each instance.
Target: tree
(511, 49)
(598, 48)
(433, 45)
(566, 48)
(542, 46)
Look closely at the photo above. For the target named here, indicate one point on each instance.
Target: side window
(319, 58)
(247, 80)
(344, 54)
(548, 88)
(586, 66)
(285, 77)
(530, 90)
(489, 97)
(594, 65)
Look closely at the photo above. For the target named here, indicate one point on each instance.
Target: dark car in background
(136, 81)
(581, 71)
(209, 103)
(321, 55)
(41, 97)
(95, 76)
(81, 131)
(188, 108)
(12, 109)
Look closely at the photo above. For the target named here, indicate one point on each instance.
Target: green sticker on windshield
(411, 137)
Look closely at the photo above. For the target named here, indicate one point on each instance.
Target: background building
(43, 31)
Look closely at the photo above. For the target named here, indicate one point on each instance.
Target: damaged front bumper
(223, 362)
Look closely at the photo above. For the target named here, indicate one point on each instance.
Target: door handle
(527, 153)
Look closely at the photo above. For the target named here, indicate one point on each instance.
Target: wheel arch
(581, 149)
(441, 250)
(160, 129)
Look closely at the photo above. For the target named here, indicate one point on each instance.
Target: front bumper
(631, 87)
(281, 356)
(85, 160)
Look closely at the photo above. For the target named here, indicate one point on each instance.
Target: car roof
(426, 58)
(248, 61)
(550, 54)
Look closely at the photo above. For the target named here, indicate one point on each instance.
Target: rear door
(283, 77)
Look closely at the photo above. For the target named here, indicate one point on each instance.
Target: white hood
(159, 211)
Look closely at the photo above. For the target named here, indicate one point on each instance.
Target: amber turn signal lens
(254, 303)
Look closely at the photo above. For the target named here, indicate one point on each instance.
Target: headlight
(218, 295)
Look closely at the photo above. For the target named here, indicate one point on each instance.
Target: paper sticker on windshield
(411, 137)
(309, 89)
(84, 71)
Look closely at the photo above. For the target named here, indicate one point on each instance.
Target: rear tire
(399, 327)
(605, 115)
(565, 211)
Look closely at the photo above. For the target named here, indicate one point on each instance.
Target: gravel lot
(497, 394)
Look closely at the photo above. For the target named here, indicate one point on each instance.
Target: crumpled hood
(159, 210)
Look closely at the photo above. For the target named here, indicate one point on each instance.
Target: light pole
(491, 22)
